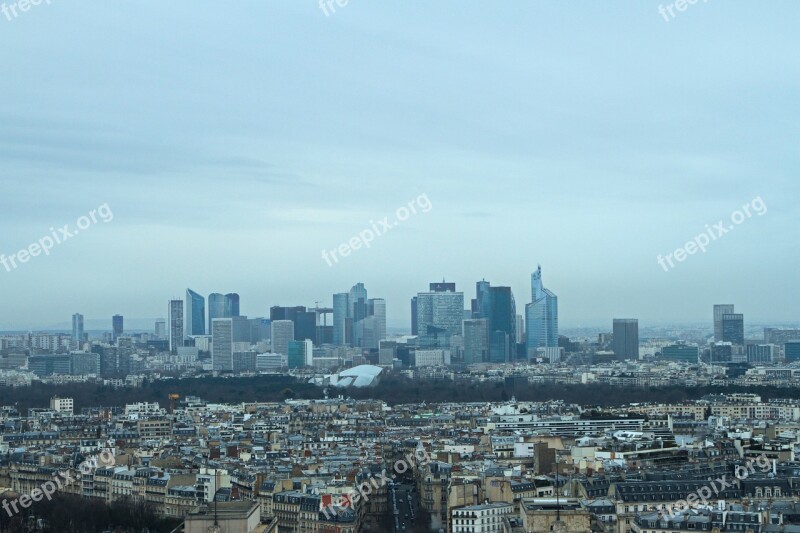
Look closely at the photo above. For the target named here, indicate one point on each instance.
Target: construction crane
(172, 398)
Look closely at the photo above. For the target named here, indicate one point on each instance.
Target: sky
(231, 143)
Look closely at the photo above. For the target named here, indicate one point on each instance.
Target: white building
(486, 518)
(61, 405)
(142, 409)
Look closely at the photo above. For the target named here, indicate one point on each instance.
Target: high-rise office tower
(733, 328)
(626, 338)
(414, 316)
(222, 306)
(719, 311)
(377, 309)
(357, 311)
(305, 321)
(175, 313)
(340, 306)
(216, 307)
(541, 315)
(439, 314)
(350, 309)
(232, 304)
(300, 354)
(222, 344)
(195, 314)
(503, 317)
(499, 347)
(241, 329)
(305, 325)
(368, 331)
(358, 302)
(483, 300)
(520, 329)
(161, 328)
(387, 352)
(282, 332)
(77, 328)
(476, 340)
(117, 326)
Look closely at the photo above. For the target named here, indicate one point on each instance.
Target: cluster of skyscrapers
(358, 320)
(490, 330)
(444, 330)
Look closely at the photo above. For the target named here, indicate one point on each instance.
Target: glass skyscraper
(626, 338)
(340, 306)
(719, 311)
(733, 328)
(541, 315)
(117, 326)
(195, 315)
(77, 328)
(222, 306)
(439, 315)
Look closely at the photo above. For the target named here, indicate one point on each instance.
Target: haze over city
(234, 146)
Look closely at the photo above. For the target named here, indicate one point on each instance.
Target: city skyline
(144, 323)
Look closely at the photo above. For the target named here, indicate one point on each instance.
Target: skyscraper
(483, 299)
(305, 321)
(222, 306)
(541, 315)
(439, 314)
(161, 328)
(733, 328)
(232, 304)
(195, 313)
(377, 309)
(351, 310)
(719, 311)
(357, 311)
(626, 338)
(222, 344)
(77, 328)
(175, 313)
(358, 302)
(282, 334)
(476, 340)
(414, 316)
(117, 326)
(502, 317)
(300, 353)
(340, 306)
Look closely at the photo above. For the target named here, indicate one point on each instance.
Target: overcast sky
(233, 142)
